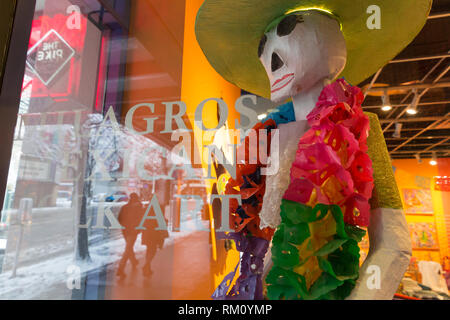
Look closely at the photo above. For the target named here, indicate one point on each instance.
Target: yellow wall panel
(410, 174)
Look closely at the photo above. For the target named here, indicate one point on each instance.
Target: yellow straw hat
(229, 32)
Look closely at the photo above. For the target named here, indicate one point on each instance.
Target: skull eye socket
(262, 45)
(277, 63)
(287, 25)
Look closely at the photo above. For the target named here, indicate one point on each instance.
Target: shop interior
(96, 62)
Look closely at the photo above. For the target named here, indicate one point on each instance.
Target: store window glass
(95, 188)
(123, 172)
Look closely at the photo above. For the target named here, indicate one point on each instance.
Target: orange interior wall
(162, 45)
(154, 61)
(444, 170)
(406, 171)
(153, 75)
(200, 82)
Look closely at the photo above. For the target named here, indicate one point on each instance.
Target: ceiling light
(433, 160)
(398, 130)
(412, 109)
(262, 116)
(386, 102)
(419, 160)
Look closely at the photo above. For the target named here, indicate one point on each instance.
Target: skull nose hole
(277, 63)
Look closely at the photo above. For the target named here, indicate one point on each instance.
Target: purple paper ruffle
(249, 284)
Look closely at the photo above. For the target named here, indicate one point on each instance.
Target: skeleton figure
(301, 55)
(304, 46)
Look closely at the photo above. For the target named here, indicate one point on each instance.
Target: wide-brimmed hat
(229, 32)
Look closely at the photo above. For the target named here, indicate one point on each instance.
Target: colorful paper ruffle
(315, 251)
(315, 255)
(250, 184)
(248, 285)
(331, 161)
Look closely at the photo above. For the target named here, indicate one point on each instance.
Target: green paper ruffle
(337, 259)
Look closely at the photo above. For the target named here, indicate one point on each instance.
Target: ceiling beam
(417, 145)
(372, 82)
(439, 15)
(407, 104)
(411, 156)
(418, 119)
(418, 138)
(413, 129)
(439, 56)
(416, 152)
(412, 86)
(436, 144)
(442, 74)
(430, 72)
(434, 124)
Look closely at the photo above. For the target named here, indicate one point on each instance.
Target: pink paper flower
(331, 157)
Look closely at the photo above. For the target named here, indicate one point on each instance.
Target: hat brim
(229, 32)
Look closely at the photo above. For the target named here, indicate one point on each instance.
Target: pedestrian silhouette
(130, 216)
(153, 239)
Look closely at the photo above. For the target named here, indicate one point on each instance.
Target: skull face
(301, 51)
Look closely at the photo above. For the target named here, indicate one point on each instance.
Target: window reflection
(78, 175)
